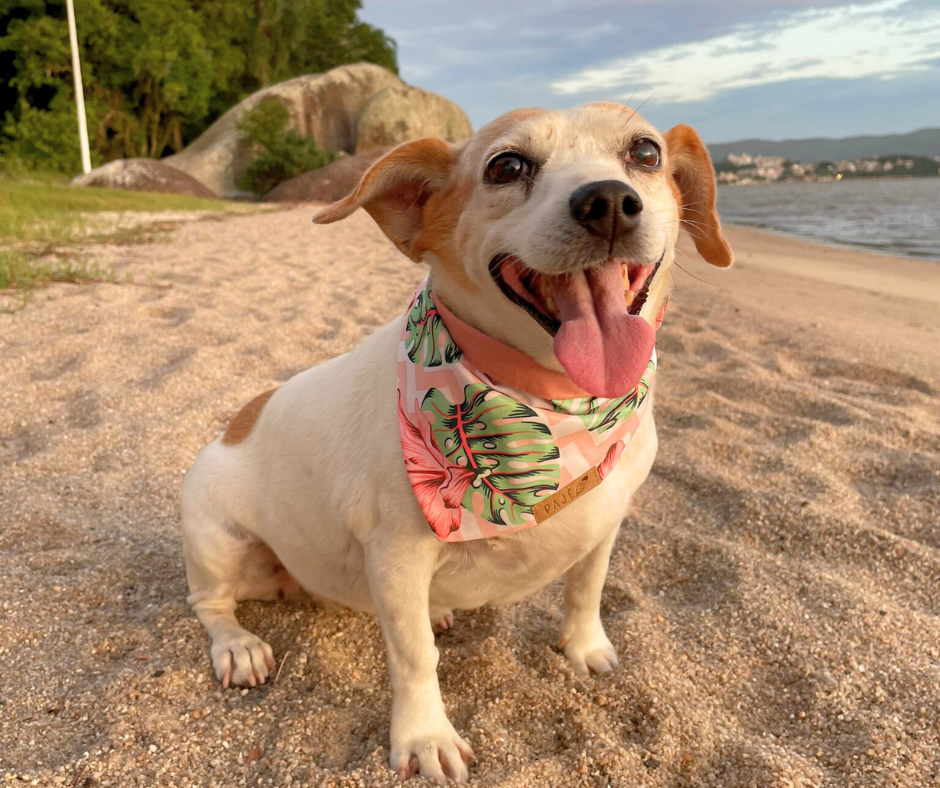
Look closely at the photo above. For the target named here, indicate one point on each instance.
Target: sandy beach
(774, 595)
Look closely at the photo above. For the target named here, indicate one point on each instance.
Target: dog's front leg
(422, 737)
(582, 634)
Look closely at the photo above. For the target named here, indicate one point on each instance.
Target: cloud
(884, 40)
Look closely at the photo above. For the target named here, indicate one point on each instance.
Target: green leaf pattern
(425, 332)
(510, 453)
(600, 415)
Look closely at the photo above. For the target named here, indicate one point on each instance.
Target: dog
(549, 236)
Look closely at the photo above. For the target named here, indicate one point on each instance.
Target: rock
(143, 175)
(326, 106)
(400, 113)
(329, 183)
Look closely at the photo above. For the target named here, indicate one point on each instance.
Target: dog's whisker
(642, 103)
(689, 273)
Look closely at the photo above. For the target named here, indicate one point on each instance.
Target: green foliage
(265, 124)
(291, 37)
(158, 72)
(45, 140)
(281, 153)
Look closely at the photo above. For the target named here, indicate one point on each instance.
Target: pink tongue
(602, 347)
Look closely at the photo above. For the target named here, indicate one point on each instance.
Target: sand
(774, 594)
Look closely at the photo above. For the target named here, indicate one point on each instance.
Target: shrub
(43, 140)
(281, 152)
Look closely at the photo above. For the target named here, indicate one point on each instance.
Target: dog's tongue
(602, 347)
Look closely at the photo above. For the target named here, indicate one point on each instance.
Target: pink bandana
(490, 454)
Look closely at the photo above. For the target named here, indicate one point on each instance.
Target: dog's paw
(242, 659)
(442, 620)
(435, 751)
(590, 651)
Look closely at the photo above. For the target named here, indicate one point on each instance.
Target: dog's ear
(396, 189)
(691, 169)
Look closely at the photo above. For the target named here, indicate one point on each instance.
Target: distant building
(742, 168)
(740, 159)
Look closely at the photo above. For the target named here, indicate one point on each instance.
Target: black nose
(608, 209)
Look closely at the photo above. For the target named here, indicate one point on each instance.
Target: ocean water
(899, 216)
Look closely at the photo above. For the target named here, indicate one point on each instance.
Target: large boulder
(400, 113)
(326, 106)
(143, 175)
(327, 184)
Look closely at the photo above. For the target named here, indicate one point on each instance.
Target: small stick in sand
(281, 667)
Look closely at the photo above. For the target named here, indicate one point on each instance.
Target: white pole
(79, 92)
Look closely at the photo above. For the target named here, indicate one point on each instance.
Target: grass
(42, 213)
(44, 209)
(21, 273)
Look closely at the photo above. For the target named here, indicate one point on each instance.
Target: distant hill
(924, 142)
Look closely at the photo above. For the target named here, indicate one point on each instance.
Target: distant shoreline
(860, 248)
(847, 179)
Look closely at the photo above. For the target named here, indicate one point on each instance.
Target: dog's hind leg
(223, 565)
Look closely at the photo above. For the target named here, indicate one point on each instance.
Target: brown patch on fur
(396, 189)
(443, 209)
(241, 426)
(677, 196)
(694, 176)
(439, 233)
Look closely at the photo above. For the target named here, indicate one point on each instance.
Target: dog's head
(552, 231)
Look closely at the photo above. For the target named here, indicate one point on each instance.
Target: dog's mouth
(535, 291)
(593, 314)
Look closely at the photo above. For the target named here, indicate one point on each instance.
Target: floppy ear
(396, 188)
(691, 168)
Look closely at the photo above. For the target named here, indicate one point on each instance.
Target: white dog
(549, 237)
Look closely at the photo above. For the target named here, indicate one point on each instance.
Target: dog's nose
(608, 209)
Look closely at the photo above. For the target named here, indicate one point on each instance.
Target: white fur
(320, 483)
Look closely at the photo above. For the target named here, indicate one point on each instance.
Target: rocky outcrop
(329, 183)
(401, 113)
(143, 175)
(351, 108)
(325, 106)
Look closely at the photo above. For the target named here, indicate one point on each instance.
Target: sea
(898, 216)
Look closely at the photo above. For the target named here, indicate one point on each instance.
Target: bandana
(488, 454)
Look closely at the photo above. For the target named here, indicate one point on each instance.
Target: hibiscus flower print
(439, 485)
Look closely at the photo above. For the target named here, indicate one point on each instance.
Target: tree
(158, 72)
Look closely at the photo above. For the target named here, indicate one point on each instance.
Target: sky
(732, 68)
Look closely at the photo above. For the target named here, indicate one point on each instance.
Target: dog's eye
(645, 153)
(506, 168)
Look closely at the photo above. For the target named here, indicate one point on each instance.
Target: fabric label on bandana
(485, 459)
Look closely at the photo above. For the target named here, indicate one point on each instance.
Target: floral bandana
(486, 459)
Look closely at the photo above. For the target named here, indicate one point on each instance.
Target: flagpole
(79, 92)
